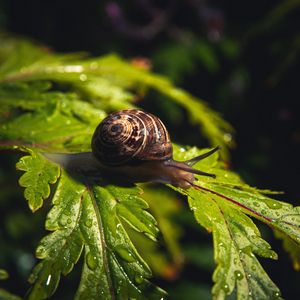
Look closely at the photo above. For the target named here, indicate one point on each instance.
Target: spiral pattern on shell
(131, 136)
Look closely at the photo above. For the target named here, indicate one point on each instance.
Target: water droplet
(82, 77)
(182, 150)
(139, 279)
(253, 268)
(256, 204)
(250, 293)
(276, 205)
(276, 294)
(62, 221)
(227, 137)
(225, 287)
(238, 275)
(91, 277)
(123, 252)
(247, 250)
(91, 261)
(249, 275)
(88, 223)
(263, 211)
(221, 244)
(93, 65)
(235, 261)
(48, 280)
(69, 221)
(272, 204)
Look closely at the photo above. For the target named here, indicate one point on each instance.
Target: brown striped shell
(131, 136)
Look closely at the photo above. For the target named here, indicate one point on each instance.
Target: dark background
(248, 73)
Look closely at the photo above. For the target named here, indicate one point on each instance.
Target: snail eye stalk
(194, 160)
(187, 165)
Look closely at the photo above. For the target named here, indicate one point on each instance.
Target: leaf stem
(234, 202)
(103, 242)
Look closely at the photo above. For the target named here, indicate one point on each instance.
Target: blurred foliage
(241, 56)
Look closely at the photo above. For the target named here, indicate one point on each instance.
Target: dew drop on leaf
(93, 66)
(82, 77)
(124, 253)
(225, 287)
(91, 261)
(63, 221)
(238, 275)
(247, 250)
(256, 204)
(272, 204)
(227, 137)
(139, 279)
(91, 277)
(276, 205)
(88, 223)
(69, 220)
(48, 279)
(276, 294)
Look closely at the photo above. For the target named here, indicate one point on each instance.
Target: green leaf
(110, 80)
(5, 295)
(131, 208)
(56, 121)
(90, 217)
(220, 206)
(290, 247)
(52, 103)
(3, 274)
(40, 173)
(166, 261)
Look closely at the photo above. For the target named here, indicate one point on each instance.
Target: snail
(136, 145)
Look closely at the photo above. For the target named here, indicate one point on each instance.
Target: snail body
(136, 144)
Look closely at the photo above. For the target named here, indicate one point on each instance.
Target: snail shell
(136, 146)
(131, 136)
